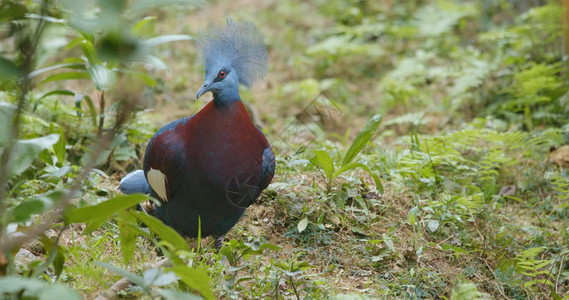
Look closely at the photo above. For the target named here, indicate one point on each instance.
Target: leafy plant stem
(291, 280)
(28, 47)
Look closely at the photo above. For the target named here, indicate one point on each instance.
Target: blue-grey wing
(267, 167)
(134, 182)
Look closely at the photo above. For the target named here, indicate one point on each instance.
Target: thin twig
(448, 238)
(294, 287)
(559, 273)
(495, 277)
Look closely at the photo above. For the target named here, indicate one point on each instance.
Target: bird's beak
(204, 89)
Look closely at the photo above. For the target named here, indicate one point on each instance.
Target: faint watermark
(244, 188)
(321, 112)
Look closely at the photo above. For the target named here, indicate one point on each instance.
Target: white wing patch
(157, 181)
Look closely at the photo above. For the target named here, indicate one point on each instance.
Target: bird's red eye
(221, 74)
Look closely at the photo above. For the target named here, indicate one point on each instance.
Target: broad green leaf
(75, 42)
(163, 39)
(37, 205)
(13, 284)
(8, 69)
(138, 280)
(126, 221)
(325, 162)
(466, 291)
(103, 78)
(59, 147)
(58, 92)
(90, 53)
(59, 292)
(302, 225)
(137, 28)
(91, 109)
(164, 231)
(36, 288)
(269, 246)
(361, 140)
(24, 152)
(103, 210)
(76, 66)
(157, 277)
(66, 76)
(6, 113)
(433, 225)
(196, 279)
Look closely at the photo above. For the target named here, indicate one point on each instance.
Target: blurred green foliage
(456, 180)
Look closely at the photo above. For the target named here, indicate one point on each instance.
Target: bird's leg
(219, 242)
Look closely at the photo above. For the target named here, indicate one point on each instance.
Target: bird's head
(232, 55)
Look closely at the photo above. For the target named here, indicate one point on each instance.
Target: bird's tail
(134, 182)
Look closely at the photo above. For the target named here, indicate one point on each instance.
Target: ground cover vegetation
(419, 148)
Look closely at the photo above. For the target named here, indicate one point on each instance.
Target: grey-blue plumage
(238, 45)
(135, 182)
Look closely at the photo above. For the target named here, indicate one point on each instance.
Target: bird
(206, 169)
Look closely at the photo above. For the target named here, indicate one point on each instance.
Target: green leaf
(325, 162)
(103, 78)
(361, 140)
(302, 225)
(58, 92)
(433, 225)
(466, 291)
(91, 109)
(8, 69)
(37, 205)
(36, 288)
(164, 231)
(24, 152)
(196, 279)
(173, 294)
(76, 66)
(6, 113)
(412, 216)
(137, 28)
(57, 291)
(90, 53)
(269, 246)
(59, 147)
(163, 39)
(138, 280)
(59, 261)
(66, 76)
(98, 214)
(127, 237)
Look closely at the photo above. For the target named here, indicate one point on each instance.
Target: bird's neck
(226, 97)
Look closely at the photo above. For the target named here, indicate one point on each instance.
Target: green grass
(470, 207)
